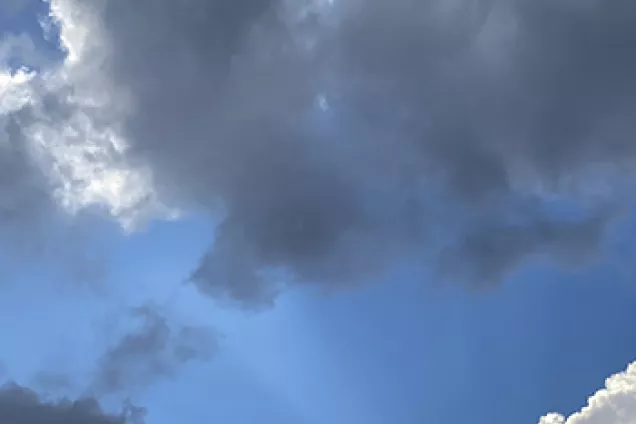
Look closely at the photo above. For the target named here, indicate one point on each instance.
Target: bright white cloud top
(615, 404)
(69, 114)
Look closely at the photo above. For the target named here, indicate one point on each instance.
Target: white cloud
(14, 90)
(70, 116)
(615, 404)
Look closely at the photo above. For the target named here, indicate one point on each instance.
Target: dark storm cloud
(231, 124)
(435, 109)
(548, 83)
(19, 405)
(154, 351)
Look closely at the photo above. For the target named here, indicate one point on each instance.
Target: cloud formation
(482, 102)
(615, 404)
(338, 136)
(150, 353)
(19, 405)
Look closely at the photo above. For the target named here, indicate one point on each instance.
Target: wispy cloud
(154, 351)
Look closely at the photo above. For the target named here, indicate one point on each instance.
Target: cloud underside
(334, 137)
(19, 405)
(615, 404)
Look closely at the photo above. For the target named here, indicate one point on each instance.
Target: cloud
(150, 353)
(19, 405)
(23, 186)
(494, 247)
(60, 126)
(615, 404)
(60, 154)
(479, 104)
(337, 137)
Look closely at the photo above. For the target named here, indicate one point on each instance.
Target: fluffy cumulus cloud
(615, 404)
(334, 137)
(19, 405)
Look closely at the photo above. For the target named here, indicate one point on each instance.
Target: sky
(317, 211)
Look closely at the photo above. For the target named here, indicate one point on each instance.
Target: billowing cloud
(150, 353)
(477, 105)
(337, 136)
(60, 152)
(60, 128)
(615, 404)
(19, 405)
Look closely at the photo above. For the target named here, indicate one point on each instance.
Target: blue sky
(390, 352)
(394, 340)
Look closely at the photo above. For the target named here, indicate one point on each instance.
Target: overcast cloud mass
(331, 138)
(334, 137)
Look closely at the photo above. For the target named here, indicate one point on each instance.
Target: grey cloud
(31, 224)
(555, 95)
(26, 199)
(19, 405)
(436, 110)
(25, 193)
(153, 352)
(37, 116)
(487, 251)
